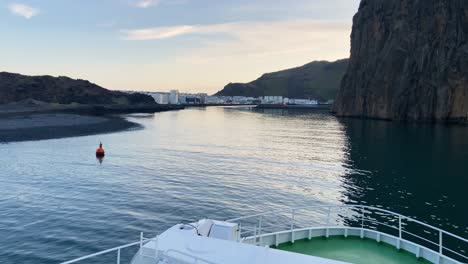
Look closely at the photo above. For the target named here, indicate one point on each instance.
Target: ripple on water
(59, 202)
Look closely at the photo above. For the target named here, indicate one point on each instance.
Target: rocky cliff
(409, 61)
(317, 80)
(63, 90)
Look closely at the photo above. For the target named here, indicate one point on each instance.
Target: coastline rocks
(409, 61)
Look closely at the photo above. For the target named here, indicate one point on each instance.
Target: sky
(158, 45)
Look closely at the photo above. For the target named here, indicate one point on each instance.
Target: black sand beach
(57, 125)
(35, 120)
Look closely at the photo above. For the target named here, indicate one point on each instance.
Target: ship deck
(352, 250)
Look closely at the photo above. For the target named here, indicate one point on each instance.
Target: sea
(58, 202)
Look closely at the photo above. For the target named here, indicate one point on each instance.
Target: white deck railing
(116, 250)
(357, 216)
(259, 226)
(170, 256)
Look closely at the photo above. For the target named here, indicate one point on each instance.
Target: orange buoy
(100, 151)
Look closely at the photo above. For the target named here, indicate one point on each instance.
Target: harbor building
(272, 100)
(174, 97)
(160, 98)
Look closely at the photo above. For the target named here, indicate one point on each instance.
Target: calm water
(58, 202)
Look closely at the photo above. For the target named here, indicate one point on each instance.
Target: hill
(316, 80)
(63, 90)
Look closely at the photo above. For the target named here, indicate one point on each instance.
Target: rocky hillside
(62, 90)
(409, 61)
(316, 80)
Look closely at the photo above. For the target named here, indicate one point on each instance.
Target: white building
(272, 100)
(160, 98)
(202, 97)
(174, 97)
(216, 99)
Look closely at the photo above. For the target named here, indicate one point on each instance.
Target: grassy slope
(316, 80)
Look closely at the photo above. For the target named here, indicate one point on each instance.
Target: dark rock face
(316, 80)
(409, 61)
(63, 90)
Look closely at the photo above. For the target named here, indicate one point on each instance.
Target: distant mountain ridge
(63, 90)
(316, 80)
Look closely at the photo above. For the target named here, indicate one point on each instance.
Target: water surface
(58, 202)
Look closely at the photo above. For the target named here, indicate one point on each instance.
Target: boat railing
(363, 217)
(115, 250)
(169, 256)
(256, 227)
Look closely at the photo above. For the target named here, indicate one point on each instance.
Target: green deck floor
(353, 250)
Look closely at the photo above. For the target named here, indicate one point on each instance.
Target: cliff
(63, 90)
(409, 61)
(316, 80)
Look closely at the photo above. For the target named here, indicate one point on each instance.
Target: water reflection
(219, 163)
(414, 169)
(100, 159)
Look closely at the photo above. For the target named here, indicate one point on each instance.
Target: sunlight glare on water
(58, 202)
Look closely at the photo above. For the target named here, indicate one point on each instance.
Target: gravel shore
(49, 126)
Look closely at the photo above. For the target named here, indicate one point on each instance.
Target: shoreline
(93, 110)
(29, 122)
(53, 126)
(293, 107)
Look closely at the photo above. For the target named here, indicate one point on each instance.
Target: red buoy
(100, 151)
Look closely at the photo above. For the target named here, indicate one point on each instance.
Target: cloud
(290, 39)
(158, 33)
(23, 10)
(238, 43)
(146, 3)
(221, 53)
(248, 31)
(150, 3)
